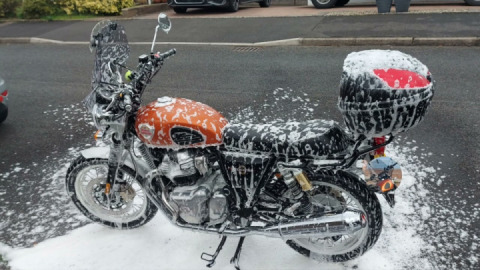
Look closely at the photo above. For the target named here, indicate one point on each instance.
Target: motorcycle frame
(120, 152)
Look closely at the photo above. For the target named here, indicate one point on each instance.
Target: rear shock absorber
(297, 182)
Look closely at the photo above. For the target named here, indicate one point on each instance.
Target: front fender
(138, 165)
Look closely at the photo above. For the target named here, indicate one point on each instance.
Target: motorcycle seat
(294, 139)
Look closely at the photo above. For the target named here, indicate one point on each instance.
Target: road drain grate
(246, 49)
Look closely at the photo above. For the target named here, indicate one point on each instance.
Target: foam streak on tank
(179, 123)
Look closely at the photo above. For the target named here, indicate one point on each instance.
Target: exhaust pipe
(347, 222)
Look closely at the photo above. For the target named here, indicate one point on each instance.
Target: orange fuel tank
(177, 122)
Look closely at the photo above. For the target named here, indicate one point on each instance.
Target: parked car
(3, 100)
(181, 6)
(340, 3)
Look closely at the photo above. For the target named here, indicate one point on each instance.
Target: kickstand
(236, 257)
(211, 258)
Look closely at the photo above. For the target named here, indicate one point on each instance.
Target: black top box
(383, 92)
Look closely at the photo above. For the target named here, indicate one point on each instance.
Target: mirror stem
(154, 38)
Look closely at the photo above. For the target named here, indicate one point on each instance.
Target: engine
(198, 195)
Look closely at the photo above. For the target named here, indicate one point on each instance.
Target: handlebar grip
(169, 53)
(165, 55)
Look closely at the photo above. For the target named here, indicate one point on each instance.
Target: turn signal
(380, 152)
(98, 135)
(386, 185)
(107, 188)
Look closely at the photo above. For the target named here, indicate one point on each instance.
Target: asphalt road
(47, 123)
(249, 30)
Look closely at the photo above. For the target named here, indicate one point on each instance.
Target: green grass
(64, 17)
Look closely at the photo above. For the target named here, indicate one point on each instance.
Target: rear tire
(332, 187)
(3, 112)
(85, 185)
(473, 2)
(322, 4)
(341, 3)
(180, 10)
(265, 3)
(233, 5)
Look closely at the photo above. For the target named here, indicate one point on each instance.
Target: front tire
(265, 3)
(473, 2)
(322, 4)
(335, 192)
(341, 3)
(3, 112)
(233, 5)
(128, 208)
(180, 10)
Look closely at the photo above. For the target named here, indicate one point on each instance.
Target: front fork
(115, 161)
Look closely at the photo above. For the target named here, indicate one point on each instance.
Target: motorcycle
(296, 181)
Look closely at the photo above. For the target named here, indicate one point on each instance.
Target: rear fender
(140, 166)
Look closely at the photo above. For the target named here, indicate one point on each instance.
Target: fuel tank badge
(147, 131)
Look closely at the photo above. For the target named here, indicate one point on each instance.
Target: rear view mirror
(164, 22)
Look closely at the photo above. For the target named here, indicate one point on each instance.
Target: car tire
(341, 3)
(180, 10)
(322, 4)
(473, 2)
(265, 3)
(233, 5)
(3, 112)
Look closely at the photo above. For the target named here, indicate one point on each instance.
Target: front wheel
(233, 5)
(127, 207)
(341, 3)
(180, 10)
(473, 2)
(265, 3)
(3, 112)
(333, 193)
(324, 3)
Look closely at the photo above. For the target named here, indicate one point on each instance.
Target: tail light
(380, 152)
(3, 95)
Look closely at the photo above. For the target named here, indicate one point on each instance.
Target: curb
(359, 41)
(143, 10)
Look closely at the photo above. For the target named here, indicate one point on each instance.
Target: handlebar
(162, 56)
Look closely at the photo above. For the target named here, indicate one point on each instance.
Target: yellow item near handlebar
(128, 75)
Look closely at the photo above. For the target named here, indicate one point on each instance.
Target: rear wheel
(473, 2)
(324, 3)
(333, 193)
(233, 5)
(341, 3)
(265, 3)
(127, 207)
(180, 10)
(3, 112)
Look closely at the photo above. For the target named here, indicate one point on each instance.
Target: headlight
(100, 119)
